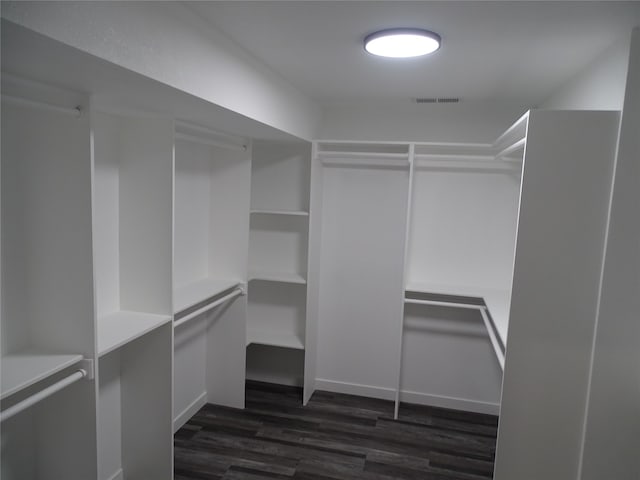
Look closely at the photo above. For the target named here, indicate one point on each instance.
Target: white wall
(600, 86)
(612, 425)
(402, 120)
(169, 43)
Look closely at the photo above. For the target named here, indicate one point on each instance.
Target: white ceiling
(508, 51)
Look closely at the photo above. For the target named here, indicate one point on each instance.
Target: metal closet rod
(236, 292)
(24, 102)
(42, 394)
(489, 325)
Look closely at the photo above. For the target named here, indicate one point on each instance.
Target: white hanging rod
(208, 141)
(438, 303)
(514, 147)
(485, 318)
(42, 394)
(493, 337)
(23, 102)
(236, 292)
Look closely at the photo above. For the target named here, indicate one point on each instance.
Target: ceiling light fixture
(402, 43)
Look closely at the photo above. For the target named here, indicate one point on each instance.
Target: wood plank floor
(335, 436)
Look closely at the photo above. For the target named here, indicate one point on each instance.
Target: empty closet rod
(514, 147)
(229, 296)
(485, 318)
(208, 141)
(23, 102)
(437, 303)
(42, 394)
(493, 337)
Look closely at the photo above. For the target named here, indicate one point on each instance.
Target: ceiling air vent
(437, 100)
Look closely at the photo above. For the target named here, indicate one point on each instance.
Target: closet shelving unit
(132, 163)
(497, 168)
(211, 230)
(276, 313)
(202, 236)
(48, 343)
(459, 239)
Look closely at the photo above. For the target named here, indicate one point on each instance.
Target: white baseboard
(119, 475)
(408, 396)
(184, 416)
(450, 402)
(355, 389)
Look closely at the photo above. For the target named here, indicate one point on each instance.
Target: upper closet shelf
(294, 213)
(119, 328)
(283, 277)
(23, 369)
(186, 296)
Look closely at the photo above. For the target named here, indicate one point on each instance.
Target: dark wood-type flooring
(335, 436)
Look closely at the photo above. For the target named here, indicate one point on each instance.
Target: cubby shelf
(23, 369)
(119, 328)
(283, 277)
(274, 338)
(191, 294)
(293, 213)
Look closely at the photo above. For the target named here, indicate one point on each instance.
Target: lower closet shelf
(23, 369)
(119, 328)
(282, 277)
(274, 338)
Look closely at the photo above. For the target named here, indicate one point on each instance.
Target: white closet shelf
(295, 213)
(283, 277)
(27, 367)
(498, 301)
(274, 338)
(119, 328)
(191, 294)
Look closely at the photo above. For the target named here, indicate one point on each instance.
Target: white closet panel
(275, 162)
(133, 161)
(463, 227)
(211, 210)
(563, 219)
(211, 234)
(47, 323)
(363, 231)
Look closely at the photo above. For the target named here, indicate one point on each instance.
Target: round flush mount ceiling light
(402, 43)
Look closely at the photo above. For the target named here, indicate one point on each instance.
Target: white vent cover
(437, 100)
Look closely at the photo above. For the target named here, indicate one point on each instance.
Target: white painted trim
(355, 389)
(184, 416)
(450, 402)
(119, 475)
(408, 396)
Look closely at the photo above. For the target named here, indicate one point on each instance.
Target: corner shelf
(191, 294)
(293, 213)
(282, 277)
(23, 369)
(119, 328)
(274, 338)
